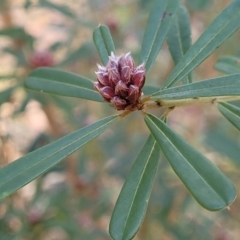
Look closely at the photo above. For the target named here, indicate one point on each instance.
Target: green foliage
(210, 90)
(231, 113)
(63, 83)
(104, 43)
(205, 182)
(179, 38)
(159, 22)
(126, 218)
(27, 168)
(226, 23)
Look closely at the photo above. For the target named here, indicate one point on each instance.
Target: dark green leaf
(228, 65)
(159, 22)
(208, 185)
(231, 113)
(132, 202)
(27, 168)
(104, 43)
(221, 86)
(220, 29)
(179, 38)
(54, 81)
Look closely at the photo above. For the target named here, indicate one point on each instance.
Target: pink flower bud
(121, 89)
(120, 83)
(119, 103)
(107, 92)
(138, 77)
(133, 94)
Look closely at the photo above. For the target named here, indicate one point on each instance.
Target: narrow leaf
(179, 38)
(58, 82)
(220, 29)
(27, 168)
(231, 113)
(104, 43)
(228, 65)
(208, 185)
(211, 90)
(159, 22)
(132, 202)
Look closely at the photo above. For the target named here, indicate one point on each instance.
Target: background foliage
(75, 199)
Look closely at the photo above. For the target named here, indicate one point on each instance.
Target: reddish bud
(119, 103)
(107, 93)
(138, 77)
(121, 89)
(120, 82)
(133, 93)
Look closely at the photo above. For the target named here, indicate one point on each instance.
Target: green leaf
(219, 30)
(27, 168)
(220, 89)
(159, 22)
(58, 82)
(228, 65)
(132, 202)
(231, 113)
(208, 185)
(179, 38)
(104, 43)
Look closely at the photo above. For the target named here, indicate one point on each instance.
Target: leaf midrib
(41, 161)
(188, 162)
(67, 84)
(195, 90)
(155, 36)
(149, 157)
(199, 52)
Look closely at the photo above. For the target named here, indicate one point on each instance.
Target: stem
(158, 103)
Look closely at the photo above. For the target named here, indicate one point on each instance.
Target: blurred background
(75, 199)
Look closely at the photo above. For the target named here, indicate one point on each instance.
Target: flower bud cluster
(120, 82)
